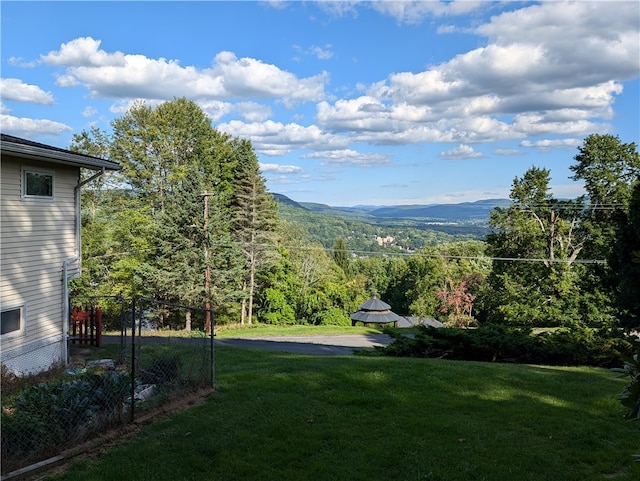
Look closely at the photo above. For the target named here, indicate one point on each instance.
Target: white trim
(24, 170)
(22, 306)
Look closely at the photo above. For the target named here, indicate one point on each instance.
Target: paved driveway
(337, 345)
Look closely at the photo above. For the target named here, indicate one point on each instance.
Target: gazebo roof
(374, 304)
(375, 317)
(375, 311)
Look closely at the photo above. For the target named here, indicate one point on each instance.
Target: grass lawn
(279, 416)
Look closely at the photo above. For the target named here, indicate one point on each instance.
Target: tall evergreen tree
(253, 220)
(196, 262)
(341, 256)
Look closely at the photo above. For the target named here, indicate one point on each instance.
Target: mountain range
(474, 213)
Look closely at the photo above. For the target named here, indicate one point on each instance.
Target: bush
(499, 343)
(333, 317)
(41, 418)
(630, 396)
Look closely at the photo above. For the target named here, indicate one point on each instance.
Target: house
(39, 248)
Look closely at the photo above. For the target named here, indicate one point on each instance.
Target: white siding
(36, 237)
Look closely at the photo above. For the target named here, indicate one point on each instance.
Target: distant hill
(475, 212)
(465, 211)
(284, 200)
(412, 226)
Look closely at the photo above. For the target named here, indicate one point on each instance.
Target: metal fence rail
(147, 360)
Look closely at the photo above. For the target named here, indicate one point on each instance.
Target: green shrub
(41, 418)
(25, 433)
(333, 317)
(499, 343)
(630, 396)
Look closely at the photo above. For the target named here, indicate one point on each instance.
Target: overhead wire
(396, 253)
(390, 253)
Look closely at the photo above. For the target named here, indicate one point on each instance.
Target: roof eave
(62, 157)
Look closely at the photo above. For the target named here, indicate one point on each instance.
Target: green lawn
(279, 416)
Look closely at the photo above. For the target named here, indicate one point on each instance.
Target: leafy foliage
(43, 417)
(630, 396)
(499, 343)
(189, 220)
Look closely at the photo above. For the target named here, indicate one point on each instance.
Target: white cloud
(349, 157)
(253, 111)
(83, 52)
(462, 151)
(542, 71)
(547, 144)
(321, 53)
(567, 191)
(121, 107)
(508, 152)
(16, 90)
(553, 68)
(280, 169)
(20, 62)
(276, 138)
(24, 127)
(215, 109)
(125, 76)
(415, 11)
(89, 111)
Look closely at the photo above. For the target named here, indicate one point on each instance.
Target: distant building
(385, 241)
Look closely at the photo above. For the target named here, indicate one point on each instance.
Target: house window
(12, 320)
(37, 184)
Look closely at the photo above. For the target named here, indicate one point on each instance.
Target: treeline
(189, 221)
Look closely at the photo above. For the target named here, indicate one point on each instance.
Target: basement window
(37, 184)
(12, 321)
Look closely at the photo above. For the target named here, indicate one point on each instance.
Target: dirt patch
(102, 443)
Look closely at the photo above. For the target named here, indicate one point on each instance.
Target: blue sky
(345, 102)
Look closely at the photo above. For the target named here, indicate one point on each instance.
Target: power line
(570, 206)
(435, 255)
(320, 248)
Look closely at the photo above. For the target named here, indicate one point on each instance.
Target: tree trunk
(243, 307)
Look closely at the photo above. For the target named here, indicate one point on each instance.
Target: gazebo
(375, 311)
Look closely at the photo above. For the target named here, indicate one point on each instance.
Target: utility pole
(207, 270)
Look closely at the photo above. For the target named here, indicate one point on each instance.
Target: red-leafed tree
(457, 303)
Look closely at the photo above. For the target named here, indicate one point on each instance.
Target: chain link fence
(150, 353)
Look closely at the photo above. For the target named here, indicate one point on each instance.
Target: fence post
(133, 360)
(98, 326)
(213, 358)
(91, 325)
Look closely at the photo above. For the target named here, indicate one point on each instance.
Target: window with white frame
(12, 321)
(37, 184)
